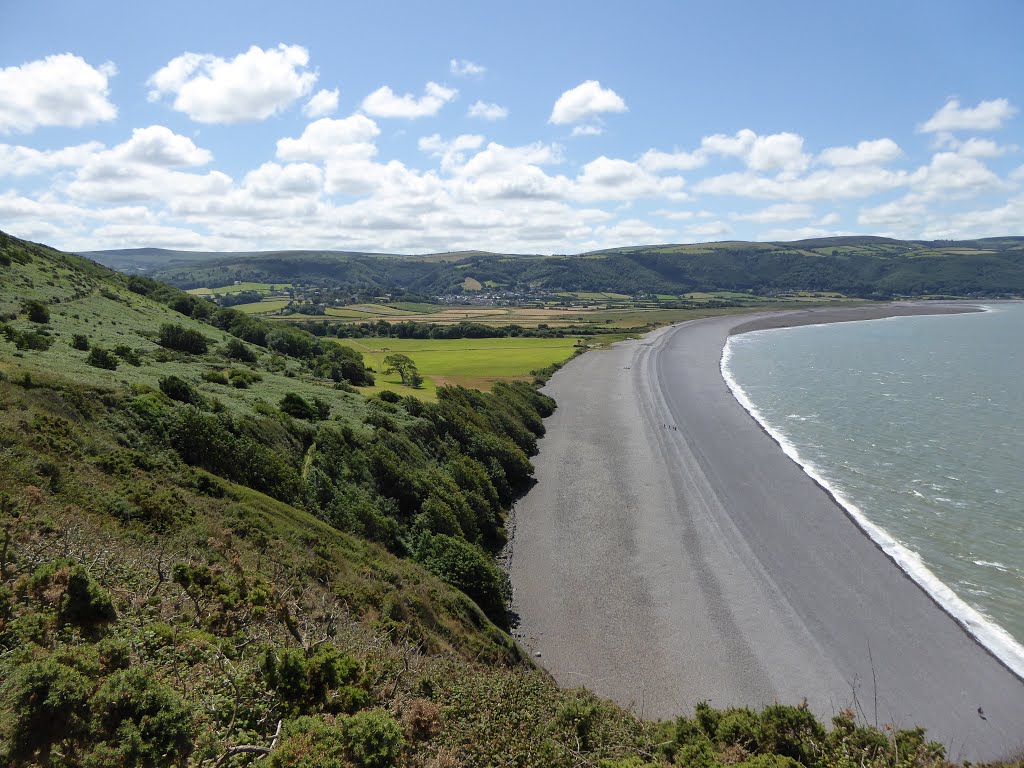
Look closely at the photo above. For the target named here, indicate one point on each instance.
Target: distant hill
(874, 267)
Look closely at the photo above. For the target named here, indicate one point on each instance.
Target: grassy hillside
(214, 553)
(855, 266)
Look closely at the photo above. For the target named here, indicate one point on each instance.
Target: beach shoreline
(658, 562)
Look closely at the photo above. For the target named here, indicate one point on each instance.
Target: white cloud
(586, 101)
(158, 145)
(252, 86)
(271, 180)
(465, 68)
(799, 233)
(950, 175)
(452, 153)
(987, 222)
(898, 216)
(386, 103)
(775, 214)
(58, 90)
(325, 138)
(587, 130)
(630, 232)
(774, 152)
(612, 179)
(141, 169)
(1018, 174)
(877, 152)
(975, 147)
(485, 111)
(26, 161)
(987, 116)
(831, 184)
(654, 161)
(322, 104)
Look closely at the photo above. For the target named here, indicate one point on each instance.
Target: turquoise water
(916, 425)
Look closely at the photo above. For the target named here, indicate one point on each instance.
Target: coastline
(990, 635)
(670, 553)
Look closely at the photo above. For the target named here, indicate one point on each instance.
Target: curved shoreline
(989, 634)
(670, 552)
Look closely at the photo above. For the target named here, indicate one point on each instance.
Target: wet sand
(671, 553)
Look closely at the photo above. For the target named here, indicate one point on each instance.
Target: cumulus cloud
(273, 181)
(587, 130)
(833, 184)
(485, 111)
(59, 90)
(775, 214)
(322, 104)
(142, 168)
(951, 175)
(877, 152)
(654, 161)
(158, 145)
(709, 231)
(613, 179)
(384, 102)
(586, 101)
(773, 152)
(26, 161)
(325, 138)
(987, 116)
(452, 153)
(975, 147)
(252, 86)
(466, 68)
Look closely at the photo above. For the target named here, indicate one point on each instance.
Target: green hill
(871, 267)
(215, 552)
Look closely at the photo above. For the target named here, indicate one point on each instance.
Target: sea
(916, 426)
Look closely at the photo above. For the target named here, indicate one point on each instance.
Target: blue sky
(527, 127)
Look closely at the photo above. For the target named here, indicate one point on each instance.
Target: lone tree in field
(406, 368)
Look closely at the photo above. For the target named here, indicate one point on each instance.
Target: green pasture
(226, 289)
(476, 363)
(262, 307)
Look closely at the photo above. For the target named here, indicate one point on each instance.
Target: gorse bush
(182, 339)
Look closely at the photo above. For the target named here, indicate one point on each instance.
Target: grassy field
(233, 288)
(477, 363)
(264, 307)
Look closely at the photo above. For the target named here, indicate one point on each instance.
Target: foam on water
(989, 634)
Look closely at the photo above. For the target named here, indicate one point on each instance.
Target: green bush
(216, 377)
(374, 738)
(45, 703)
(327, 680)
(468, 568)
(182, 339)
(128, 354)
(298, 407)
(236, 349)
(139, 721)
(242, 378)
(80, 341)
(37, 311)
(309, 742)
(102, 358)
(178, 389)
(78, 598)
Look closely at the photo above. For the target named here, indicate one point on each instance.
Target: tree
(183, 339)
(404, 367)
(37, 311)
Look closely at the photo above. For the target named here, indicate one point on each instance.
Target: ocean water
(916, 426)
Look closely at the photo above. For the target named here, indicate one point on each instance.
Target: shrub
(216, 377)
(78, 598)
(46, 703)
(297, 407)
(326, 680)
(80, 341)
(374, 738)
(139, 721)
(102, 358)
(178, 389)
(37, 311)
(309, 742)
(237, 350)
(468, 568)
(128, 354)
(182, 339)
(243, 379)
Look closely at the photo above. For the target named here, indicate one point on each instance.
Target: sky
(526, 127)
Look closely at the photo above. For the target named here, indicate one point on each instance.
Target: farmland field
(476, 363)
(226, 289)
